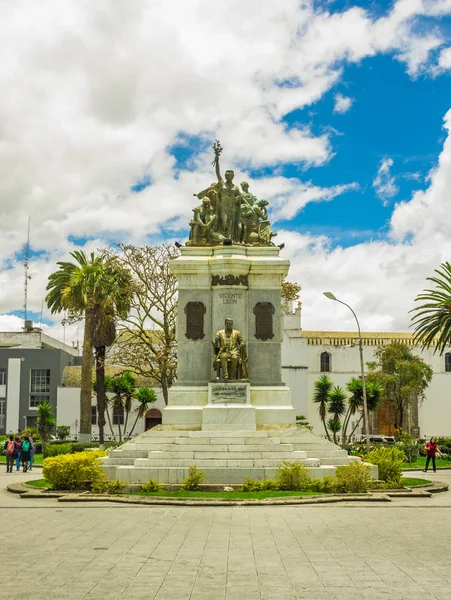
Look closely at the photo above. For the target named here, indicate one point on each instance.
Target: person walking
(25, 453)
(18, 446)
(32, 453)
(431, 450)
(10, 450)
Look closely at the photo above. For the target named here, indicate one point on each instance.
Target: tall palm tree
(322, 387)
(336, 406)
(145, 396)
(45, 423)
(98, 289)
(122, 387)
(72, 288)
(432, 319)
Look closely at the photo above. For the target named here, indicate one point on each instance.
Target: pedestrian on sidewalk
(431, 449)
(32, 452)
(18, 445)
(25, 453)
(9, 449)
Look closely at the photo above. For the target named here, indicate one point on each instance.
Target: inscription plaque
(237, 393)
(263, 312)
(230, 280)
(195, 320)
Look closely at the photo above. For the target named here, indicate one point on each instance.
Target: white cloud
(384, 182)
(97, 92)
(342, 103)
(444, 60)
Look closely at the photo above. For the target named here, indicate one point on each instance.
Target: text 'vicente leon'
(230, 297)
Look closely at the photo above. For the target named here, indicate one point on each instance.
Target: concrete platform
(225, 457)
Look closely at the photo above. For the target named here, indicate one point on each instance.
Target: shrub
(328, 484)
(74, 471)
(293, 476)
(115, 487)
(389, 461)
(152, 486)
(63, 431)
(251, 485)
(194, 479)
(57, 449)
(354, 478)
(270, 485)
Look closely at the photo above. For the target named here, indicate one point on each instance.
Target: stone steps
(215, 475)
(201, 463)
(225, 456)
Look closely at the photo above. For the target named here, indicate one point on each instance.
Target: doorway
(153, 418)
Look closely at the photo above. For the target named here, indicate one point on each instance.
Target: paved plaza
(105, 551)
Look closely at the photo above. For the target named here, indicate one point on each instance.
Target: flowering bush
(74, 471)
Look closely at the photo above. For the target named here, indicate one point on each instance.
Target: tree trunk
(164, 385)
(86, 382)
(326, 430)
(109, 420)
(100, 392)
(133, 428)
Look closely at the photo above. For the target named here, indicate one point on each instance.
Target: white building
(68, 408)
(308, 354)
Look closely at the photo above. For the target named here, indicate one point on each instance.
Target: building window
(326, 363)
(39, 386)
(448, 363)
(118, 416)
(2, 376)
(93, 415)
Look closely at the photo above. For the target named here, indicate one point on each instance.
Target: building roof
(72, 376)
(346, 338)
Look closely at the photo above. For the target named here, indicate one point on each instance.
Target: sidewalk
(397, 550)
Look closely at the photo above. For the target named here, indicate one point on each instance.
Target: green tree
(147, 342)
(72, 288)
(63, 431)
(355, 404)
(145, 396)
(45, 423)
(322, 387)
(403, 376)
(336, 406)
(123, 388)
(99, 289)
(432, 319)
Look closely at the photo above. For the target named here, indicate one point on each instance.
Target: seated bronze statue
(230, 351)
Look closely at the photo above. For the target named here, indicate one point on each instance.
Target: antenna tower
(26, 276)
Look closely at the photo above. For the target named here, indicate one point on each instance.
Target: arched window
(326, 362)
(448, 362)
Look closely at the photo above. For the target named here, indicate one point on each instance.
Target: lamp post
(362, 368)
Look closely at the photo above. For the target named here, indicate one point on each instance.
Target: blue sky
(335, 111)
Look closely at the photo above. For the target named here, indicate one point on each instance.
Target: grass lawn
(420, 463)
(39, 483)
(38, 460)
(413, 481)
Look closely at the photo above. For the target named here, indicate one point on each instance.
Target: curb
(426, 491)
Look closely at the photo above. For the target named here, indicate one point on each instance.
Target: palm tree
(336, 406)
(100, 290)
(334, 426)
(432, 320)
(355, 403)
(45, 423)
(145, 396)
(122, 387)
(322, 387)
(72, 288)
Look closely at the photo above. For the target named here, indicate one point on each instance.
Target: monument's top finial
(228, 213)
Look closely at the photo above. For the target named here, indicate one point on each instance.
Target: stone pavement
(399, 550)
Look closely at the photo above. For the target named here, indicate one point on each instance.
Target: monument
(229, 413)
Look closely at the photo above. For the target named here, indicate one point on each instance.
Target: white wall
(434, 413)
(68, 413)
(13, 395)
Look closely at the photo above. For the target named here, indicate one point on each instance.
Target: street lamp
(362, 368)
